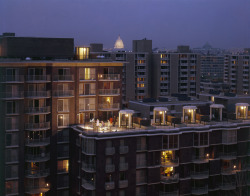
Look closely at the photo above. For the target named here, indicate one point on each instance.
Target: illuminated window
(63, 166)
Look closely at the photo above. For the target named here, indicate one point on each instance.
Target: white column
(246, 112)
(154, 117)
(129, 120)
(164, 123)
(119, 119)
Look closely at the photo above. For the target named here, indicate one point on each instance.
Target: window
(229, 136)
(62, 150)
(141, 176)
(88, 146)
(11, 139)
(11, 171)
(141, 143)
(141, 160)
(87, 89)
(11, 155)
(11, 187)
(63, 120)
(201, 139)
(11, 123)
(62, 105)
(87, 74)
(12, 74)
(63, 181)
(63, 135)
(11, 107)
(86, 104)
(63, 166)
(170, 141)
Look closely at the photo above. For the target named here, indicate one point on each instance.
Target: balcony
(109, 185)
(38, 110)
(64, 93)
(89, 77)
(110, 150)
(200, 159)
(37, 142)
(123, 166)
(37, 126)
(200, 174)
(123, 183)
(109, 92)
(37, 173)
(12, 95)
(200, 190)
(228, 171)
(37, 189)
(12, 79)
(170, 179)
(228, 155)
(63, 78)
(38, 78)
(228, 186)
(37, 157)
(109, 77)
(88, 184)
(88, 167)
(37, 94)
(170, 162)
(110, 168)
(172, 193)
(123, 149)
(109, 107)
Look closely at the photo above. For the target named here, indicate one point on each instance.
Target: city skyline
(224, 24)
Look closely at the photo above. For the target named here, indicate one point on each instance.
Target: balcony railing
(169, 162)
(37, 110)
(170, 179)
(172, 193)
(37, 173)
(34, 126)
(13, 95)
(199, 190)
(37, 142)
(38, 78)
(200, 174)
(88, 167)
(37, 189)
(109, 92)
(88, 77)
(123, 166)
(123, 149)
(63, 78)
(110, 168)
(64, 93)
(228, 171)
(228, 185)
(12, 79)
(115, 106)
(141, 180)
(88, 184)
(35, 94)
(109, 77)
(123, 183)
(200, 159)
(228, 155)
(37, 157)
(109, 185)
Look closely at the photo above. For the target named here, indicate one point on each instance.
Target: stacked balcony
(109, 77)
(109, 92)
(37, 173)
(37, 142)
(38, 78)
(63, 78)
(37, 157)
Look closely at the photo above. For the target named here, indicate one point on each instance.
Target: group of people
(101, 124)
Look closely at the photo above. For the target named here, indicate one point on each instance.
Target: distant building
(119, 43)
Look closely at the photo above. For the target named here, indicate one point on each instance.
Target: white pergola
(241, 110)
(189, 111)
(161, 111)
(216, 106)
(128, 116)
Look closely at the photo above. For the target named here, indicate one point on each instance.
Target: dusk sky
(222, 23)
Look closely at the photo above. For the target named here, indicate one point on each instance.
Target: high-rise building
(39, 101)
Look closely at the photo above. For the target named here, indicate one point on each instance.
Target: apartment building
(176, 72)
(196, 157)
(39, 102)
(236, 73)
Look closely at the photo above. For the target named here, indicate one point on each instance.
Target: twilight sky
(223, 23)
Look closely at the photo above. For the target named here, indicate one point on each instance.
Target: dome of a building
(119, 43)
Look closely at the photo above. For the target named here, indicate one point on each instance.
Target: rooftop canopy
(216, 106)
(160, 109)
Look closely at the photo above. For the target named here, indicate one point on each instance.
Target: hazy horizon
(221, 23)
